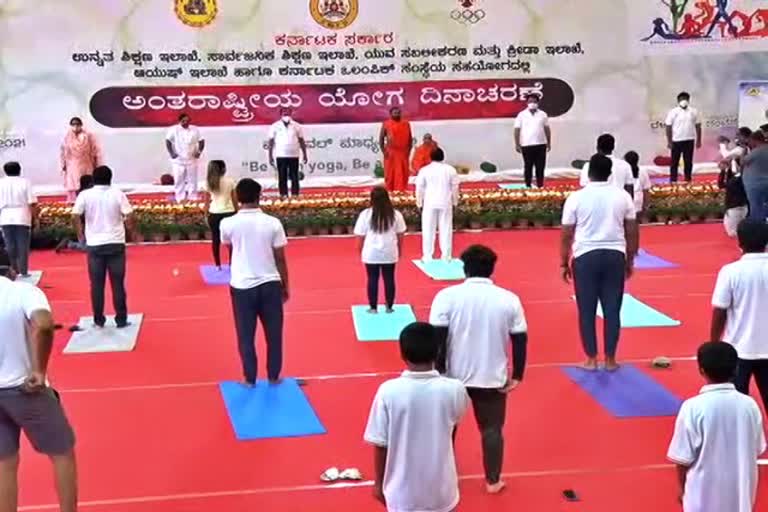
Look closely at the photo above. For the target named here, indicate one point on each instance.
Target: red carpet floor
(154, 435)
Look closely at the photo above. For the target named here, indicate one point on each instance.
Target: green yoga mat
(637, 314)
(381, 326)
(441, 270)
(512, 186)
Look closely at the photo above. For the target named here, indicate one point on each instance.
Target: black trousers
(746, 369)
(534, 157)
(490, 408)
(685, 150)
(387, 272)
(265, 304)
(109, 260)
(214, 221)
(288, 168)
(598, 277)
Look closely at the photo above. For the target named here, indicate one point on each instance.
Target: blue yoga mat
(269, 411)
(646, 260)
(637, 314)
(211, 275)
(381, 326)
(660, 181)
(512, 186)
(627, 392)
(440, 270)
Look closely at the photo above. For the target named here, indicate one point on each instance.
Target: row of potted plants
(325, 214)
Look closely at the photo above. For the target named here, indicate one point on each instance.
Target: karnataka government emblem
(334, 14)
(196, 13)
(468, 12)
(753, 92)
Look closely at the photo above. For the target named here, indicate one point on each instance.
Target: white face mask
(684, 104)
(286, 119)
(533, 106)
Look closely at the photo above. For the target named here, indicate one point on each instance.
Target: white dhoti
(185, 179)
(732, 219)
(437, 221)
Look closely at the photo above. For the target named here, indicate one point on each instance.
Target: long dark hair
(216, 169)
(383, 215)
(633, 159)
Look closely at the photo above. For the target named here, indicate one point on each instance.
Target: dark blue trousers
(265, 304)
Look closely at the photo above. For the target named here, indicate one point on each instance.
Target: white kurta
(437, 192)
(185, 143)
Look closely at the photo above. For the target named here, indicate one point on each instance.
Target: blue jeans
(263, 303)
(599, 276)
(757, 195)
(17, 240)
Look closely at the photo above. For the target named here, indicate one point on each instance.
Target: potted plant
(175, 232)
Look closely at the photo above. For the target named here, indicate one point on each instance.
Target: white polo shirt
(683, 122)
(185, 141)
(16, 196)
(621, 174)
(254, 236)
(437, 186)
(286, 139)
(742, 290)
(414, 416)
(480, 318)
(719, 435)
(598, 211)
(105, 209)
(18, 301)
(531, 126)
(379, 248)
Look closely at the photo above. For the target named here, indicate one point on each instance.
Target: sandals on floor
(334, 475)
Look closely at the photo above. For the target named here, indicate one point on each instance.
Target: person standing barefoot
(221, 203)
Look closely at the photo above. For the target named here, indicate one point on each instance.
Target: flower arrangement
(335, 213)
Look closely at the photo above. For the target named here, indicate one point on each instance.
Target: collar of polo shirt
(483, 280)
(755, 256)
(726, 386)
(421, 375)
(250, 210)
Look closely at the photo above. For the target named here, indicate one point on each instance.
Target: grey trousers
(17, 240)
(109, 260)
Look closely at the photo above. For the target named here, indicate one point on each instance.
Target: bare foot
(275, 382)
(495, 488)
(590, 364)
(372, 311)
(390, 311)
(610, 364)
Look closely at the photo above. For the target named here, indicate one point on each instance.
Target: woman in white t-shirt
(222, 203)
(642, 180)
(18, 209)
(380, 230)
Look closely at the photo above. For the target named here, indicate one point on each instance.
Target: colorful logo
(468, 13)
(707, 20)
(196, 13)
(334, 14)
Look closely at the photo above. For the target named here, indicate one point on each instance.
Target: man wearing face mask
(683, 136)
(533, 139)
(286, 144)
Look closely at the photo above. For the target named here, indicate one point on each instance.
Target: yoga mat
(34, 277)
(512, 186)
(268, 411)
(212, 276)
(92, 339)
(441, 270)
(381, 326)
(660, 181)
(626, 393)
(646, 260)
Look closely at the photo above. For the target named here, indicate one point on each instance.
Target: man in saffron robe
(423, 154)
(396, 142)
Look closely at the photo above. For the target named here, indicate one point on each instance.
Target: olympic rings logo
(468, 16)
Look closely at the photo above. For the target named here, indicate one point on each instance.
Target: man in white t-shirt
(621, 172)
(740, 307)
(18, 208)
(600, 227)
(259, 284)
(286, 144)
(718, 439)
(533, 138)
(185, 145)
(683, 136)
(437, 192)
(477, 320)
(411, 426)
(27, 403)
(107, 211)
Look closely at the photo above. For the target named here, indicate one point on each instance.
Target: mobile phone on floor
(570, 495)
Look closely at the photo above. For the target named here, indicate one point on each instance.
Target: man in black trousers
(286, 144)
